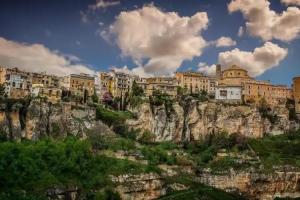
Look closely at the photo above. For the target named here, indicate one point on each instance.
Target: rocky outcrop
(140, 186)
(195, 120)
(40, 119)
(282, 183)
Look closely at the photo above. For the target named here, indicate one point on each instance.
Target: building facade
(167, 85)
(121, 83)
(53, 94)
(296, 93)
(229, 93)
(16, 82)
(253, 91)
(105, 83)
(78, 84)
(45, 79)
(194, 82)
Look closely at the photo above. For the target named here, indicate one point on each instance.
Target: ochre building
(296, 93)
(194, 82)
(253, 90)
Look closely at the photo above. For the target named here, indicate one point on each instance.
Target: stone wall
(140, 187)
(283, 182)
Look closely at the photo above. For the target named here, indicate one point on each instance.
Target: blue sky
(59, 27)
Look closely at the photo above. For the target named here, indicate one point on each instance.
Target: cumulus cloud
(265, 23)
(159, 41)
(208, 70)
(38, 58)
(225, 42)
(98, 5)
(291, 2)
(135, 71)
(256, 62)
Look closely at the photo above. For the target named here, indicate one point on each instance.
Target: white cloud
(291, 2)
(102, 4)
(208, 70)
(225, 42)
(98, 5)
(38, 58)
(159, 41)
(135, 71)
(241, 31)
(256, 62)
(265, 23)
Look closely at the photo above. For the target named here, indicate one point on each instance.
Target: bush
(147, 137)
(157, 155)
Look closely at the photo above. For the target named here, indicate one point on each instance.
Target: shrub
(147, 137)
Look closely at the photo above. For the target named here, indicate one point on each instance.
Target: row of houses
(234, 84)
(229, 85)
(19, 84)
(119, 83)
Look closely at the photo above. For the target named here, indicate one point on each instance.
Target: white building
(16, 85)
(228, 93)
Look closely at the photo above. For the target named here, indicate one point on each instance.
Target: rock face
(255, 185)
(40, 119)
(195, 120)
(139, 187)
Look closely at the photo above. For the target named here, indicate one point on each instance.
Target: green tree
(94, 97)
(2, 91)
(136, 90)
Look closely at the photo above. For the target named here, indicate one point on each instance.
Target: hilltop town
(231, 84)
(120, 136)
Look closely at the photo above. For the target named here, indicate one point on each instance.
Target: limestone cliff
(40, 119)
(195, 120)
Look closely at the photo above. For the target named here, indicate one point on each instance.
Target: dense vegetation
(37, 170)
(278, 150)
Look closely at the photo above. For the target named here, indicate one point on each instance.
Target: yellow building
(194, 82)
(254, 90)
(121, 83)
(167, 85)
(52, 94)
(234, 76)
(77, 84)
(45, 79)
(296, 93)
(106, 81)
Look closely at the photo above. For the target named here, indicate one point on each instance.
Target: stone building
(253, 90)
(16, 82)
(296, 93)
(229, 93)
(77, 84)
(194, 82)
(167, 85)
(45, 79)
(234, 76)
(53, 94)
(105, 83)
(121, 83)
